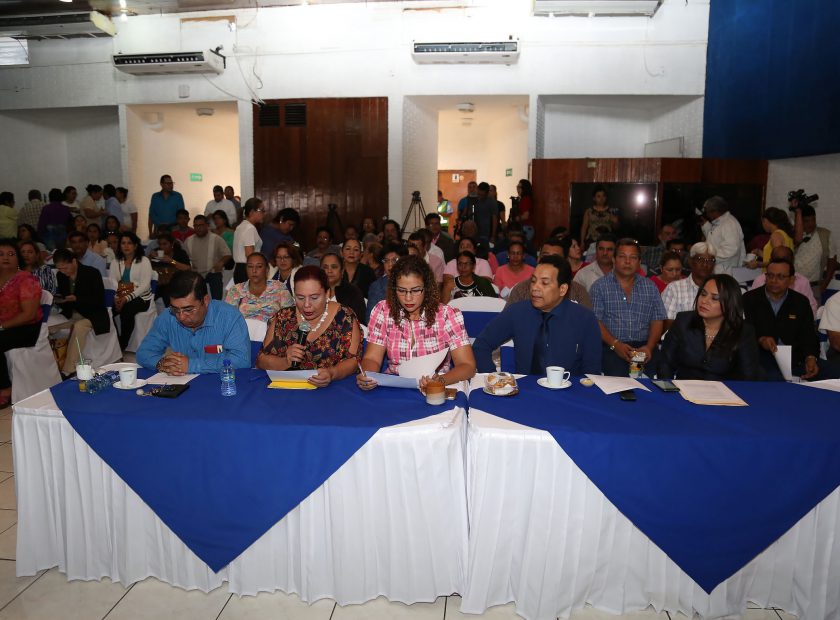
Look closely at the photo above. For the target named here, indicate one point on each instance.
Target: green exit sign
(509, 172)
(197, 176)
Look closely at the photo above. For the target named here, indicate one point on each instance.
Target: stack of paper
(708, 393)
(611, 385)
(291, 384)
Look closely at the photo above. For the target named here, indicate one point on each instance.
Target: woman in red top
(671, 271)
(526, 202)
(20, 312)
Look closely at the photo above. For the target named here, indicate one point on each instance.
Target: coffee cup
(557, 375)
(128, 376)
(160, 253)
(435, 392)
(84, 370)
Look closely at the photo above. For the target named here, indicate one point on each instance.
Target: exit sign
(196, 176)
(509, 172)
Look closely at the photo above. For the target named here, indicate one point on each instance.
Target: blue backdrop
(772, 79)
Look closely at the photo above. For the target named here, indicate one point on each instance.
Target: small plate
(118, 366)
(513, 392)
(543, 382)
(137, 384)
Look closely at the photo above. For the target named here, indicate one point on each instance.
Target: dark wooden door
(309, 153)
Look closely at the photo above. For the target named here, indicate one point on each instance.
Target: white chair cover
(142, 324)
(104, 348)
(256, 330)
(478, 304)
(33, 369)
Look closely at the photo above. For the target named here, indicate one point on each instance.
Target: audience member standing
(8, 216)
(52, 224)
(113, 206)
(525, 217)
(486, 215)
(246, 238)
(279, 230)
(230, 194)
(816, 251)
(599, 215)
(31, 211)
(129, 210)
(164, 205)
(219, 202)
(724, 232)
(69, 199)
(93, 205)
(208, 254)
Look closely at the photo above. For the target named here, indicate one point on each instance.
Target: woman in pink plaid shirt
(411, 321)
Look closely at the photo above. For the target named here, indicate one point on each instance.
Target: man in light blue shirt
(199, 332)
(164, 205)
(81, 248)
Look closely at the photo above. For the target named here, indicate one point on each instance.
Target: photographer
(816, 254)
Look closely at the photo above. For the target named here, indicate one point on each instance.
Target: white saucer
(118, 366)
(137, 384)
(543, 382)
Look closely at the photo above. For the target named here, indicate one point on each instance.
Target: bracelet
(612, 346)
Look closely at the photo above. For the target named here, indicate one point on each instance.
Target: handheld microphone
(302, 332)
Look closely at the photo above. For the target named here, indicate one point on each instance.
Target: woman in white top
(133, 273)
(246, 238)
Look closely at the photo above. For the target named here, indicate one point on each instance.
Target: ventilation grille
(270, 115)
(295, 115)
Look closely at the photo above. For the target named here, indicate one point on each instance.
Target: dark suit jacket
(447, 245)
(794, 324)
(349, 295)
(685, 356)
(90, 298)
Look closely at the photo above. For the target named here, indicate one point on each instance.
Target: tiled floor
(49, 595)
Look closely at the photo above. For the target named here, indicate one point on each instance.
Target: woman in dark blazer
(712, 342)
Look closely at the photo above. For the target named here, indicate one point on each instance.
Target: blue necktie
(540, 347)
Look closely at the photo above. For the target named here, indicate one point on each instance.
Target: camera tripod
(419, 219)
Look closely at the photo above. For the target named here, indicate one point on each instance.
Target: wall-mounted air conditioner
(58, 26)
(170, 63)
(501, 53)
(593, 8)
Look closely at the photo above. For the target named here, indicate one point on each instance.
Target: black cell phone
(171, 391)
(665, 386)
(629, 395)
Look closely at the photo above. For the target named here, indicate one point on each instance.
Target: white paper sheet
(397, 381)
(611, 385)
(826, 384)
(423, 366)
(162, 378)
(708, 393)
(279, 375)
(782, 355)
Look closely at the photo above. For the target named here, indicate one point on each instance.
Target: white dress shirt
(726, 235)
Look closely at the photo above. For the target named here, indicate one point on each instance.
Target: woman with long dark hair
(712, 342)
(133, 273)
(777, 224)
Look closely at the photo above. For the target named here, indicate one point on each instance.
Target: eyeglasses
(390, 261)
(286, 257)
(410, 292)
(705, 261)
(185, 311)
(260, 210)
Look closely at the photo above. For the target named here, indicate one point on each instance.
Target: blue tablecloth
(711, 486)
(221, 471)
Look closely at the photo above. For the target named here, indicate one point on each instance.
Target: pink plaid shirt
(415, 338)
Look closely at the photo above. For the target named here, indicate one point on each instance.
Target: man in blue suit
(547, 330)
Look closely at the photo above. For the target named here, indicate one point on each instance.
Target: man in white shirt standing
(219, 202)
(246, 237)
(724, 232)
(816, 252)
(208, 255)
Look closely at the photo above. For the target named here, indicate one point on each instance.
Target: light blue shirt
(113, 207)
(222, 327)
(92, 259)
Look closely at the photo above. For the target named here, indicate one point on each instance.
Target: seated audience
(800, 284)
(356, 272)
(81, 299)
(573, 253)
(258, 297)
(323, 245)
(548, 330)
(630, 312)
(199, 333)
(467, 284)
(679, 296)
(420, 242)
(775, 223)
(97, 244)
(391, 232)
(440, 239)
(469, 230)
(783, 316)
(8, 215)
(52, 224)
(208, 254)
(279, 230)
(112, 225)
(350, 232)
(286, 262)
(80, 224)
(334, 341)
(168, 260)
(344, 293)
(28, 233)
(830, 324)
(514, 236)
(370, 257)
(182, 231)
(514, 271)
(20, 312)
(712, 342)
(603, 264)
(34, 264)
(816, 251)
(369, 232)
(553, 247)
(670, 270)
(411, 322)
(221, 226)
(133, 273)
(246, 237)
(81, 248)
(388, 257)
(652, 254)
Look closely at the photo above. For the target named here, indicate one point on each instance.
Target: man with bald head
(800, 283)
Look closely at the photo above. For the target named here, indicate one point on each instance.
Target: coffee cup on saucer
(128, 376)
(556, 376)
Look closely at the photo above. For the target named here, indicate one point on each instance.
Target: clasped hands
(626, 352)
(173, 363)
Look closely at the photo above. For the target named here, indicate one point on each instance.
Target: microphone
(302, 332)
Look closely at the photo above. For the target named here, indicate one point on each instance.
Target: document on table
(423, 366)
(396, 381)
(283, 375)
(825, 384)
(782, 355)
(611, 385)
(162, 378)
(708, 393)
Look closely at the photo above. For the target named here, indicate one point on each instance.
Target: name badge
(792, 317)
(213, 348)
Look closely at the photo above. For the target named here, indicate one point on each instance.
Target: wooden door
(453, 184)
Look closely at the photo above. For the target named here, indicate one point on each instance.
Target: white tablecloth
(391, 521)
(542, 535)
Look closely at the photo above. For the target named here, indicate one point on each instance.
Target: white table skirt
(391, 521)
(542, 535)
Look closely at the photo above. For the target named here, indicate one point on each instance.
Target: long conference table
(549, 499)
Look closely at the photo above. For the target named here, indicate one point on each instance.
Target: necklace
(320, 321)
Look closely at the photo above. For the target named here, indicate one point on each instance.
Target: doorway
(453, 184)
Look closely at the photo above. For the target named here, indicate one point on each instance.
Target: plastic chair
(104, 348)
(478, 311)
(33, 369)
(143, 321)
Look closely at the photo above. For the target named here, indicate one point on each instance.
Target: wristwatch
(612, 346)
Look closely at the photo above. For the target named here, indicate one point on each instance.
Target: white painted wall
(59, 147)
(173, 139)
(363, 49)
(419, 156)
(495, 140)
(816, 175)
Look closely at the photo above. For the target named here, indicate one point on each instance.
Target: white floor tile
(6, 461)
(381, 608)
(499, 612)
(52, 596)
(8, 500)
(590, 613)
(5, 429)
(275, 605)
(8, 543)
(154, 600)
(10, 585)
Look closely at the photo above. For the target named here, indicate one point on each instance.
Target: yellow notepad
(291, 384)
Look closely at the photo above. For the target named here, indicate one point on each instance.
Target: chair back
(478, 312)
(110, 291)
(46, 305)
(154, 282)
(256, 334)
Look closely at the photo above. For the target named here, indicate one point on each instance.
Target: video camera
(803, 199)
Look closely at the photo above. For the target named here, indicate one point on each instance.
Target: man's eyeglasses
(705, 261)
(776, 276)
(410, 292)
(187, 310)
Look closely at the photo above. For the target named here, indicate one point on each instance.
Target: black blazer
(349, 295)
(362, 279)
(447, 244)
(90, 298)
(685, 356)
(794, 324)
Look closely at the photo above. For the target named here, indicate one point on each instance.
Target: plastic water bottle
(228, 377)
